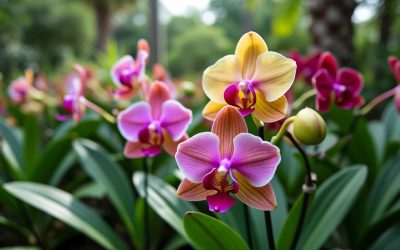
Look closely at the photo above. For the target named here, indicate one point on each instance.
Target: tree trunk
(103, 24)
(332, 28)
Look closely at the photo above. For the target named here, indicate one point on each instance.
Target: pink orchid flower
(342, 85)
(127, 74)
(394, 64)
(307, 66)
(228, 161)
(73, 102)
(158, 122)
(18, 90)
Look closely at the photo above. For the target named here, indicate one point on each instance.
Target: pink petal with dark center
(175, 118)
(220, 202)
(351, 79)
(133, 119)
(198, 156)
(255, 159)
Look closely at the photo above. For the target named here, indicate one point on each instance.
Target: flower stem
(146, 205)
(379, 99)
(248, 227)
(98, 110)
(308, 187)
(267, 214)
(310, 93)
(275, 139)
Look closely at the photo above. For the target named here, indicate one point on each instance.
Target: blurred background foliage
(50, 35)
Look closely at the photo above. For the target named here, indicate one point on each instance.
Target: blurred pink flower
(307, 66)
(73, 102)
(394, 64)
(128, 74)
(228, 160)
(158, 122)
(18, 90)
(343, 85)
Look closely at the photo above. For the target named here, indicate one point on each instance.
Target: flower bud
(309, 127)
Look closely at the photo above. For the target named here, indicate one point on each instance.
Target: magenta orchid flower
(127, 74)
(341, 85)
(149, 125)
(73, 102)
(228, 161)
(19, 89)
(307, 66)
(394, 64)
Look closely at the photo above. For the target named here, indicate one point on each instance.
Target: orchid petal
(262, 198)
(249, 47)
(322, 104)
(220, 202)
(351, 79)
(175, 118)
(397, 100)
(394, 64)
(270, 111)
(211, 110)
(157, 96)
(228, 123)
(170, 146)
(126, 92)
(193, 191)
(274, 75)
(323, 83)
(198, 155)
(348, 100)
(133, 150)
(122, 64)
(219, 76)
(255, 159)
(328, 61)
(133, 119)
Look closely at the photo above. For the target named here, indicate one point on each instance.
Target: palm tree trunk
(103, 24)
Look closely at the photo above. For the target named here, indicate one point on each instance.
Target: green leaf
(164, 201)
(31, 142)
(209, 233)
(389, 240)
(107, 173)
(90, 190)
(392, 123)
(378, 133)
(86, 127)
(332, 202)
(11, 226)
(12, 149)
(68, 209)
(288, 230)
(385, 189)
(51, 158)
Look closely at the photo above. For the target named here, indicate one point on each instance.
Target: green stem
(282, 130)
(299, 102)
(110, 118)
(367, 108)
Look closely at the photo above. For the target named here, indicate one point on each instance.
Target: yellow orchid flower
(254, 80)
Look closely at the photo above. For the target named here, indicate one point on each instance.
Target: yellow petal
(193, 191)
(270, 111)
(274, 75)
(227, 125)
(219, 76)
(249, 47)
(262, 198)
(211, 110)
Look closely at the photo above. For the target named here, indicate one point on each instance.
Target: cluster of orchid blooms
(228, 160)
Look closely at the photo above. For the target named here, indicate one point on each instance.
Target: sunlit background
(187, 36)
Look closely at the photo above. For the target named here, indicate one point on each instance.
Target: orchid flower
(228, 161)
(254, 81)
(394, 64)
(307, 66)
(73, 102)
(127, 74)
(18, 90)
(158, 122)
(342, 85)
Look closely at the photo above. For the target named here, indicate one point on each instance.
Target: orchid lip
(242, 96)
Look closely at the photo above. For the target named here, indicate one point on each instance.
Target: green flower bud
(309, 127)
